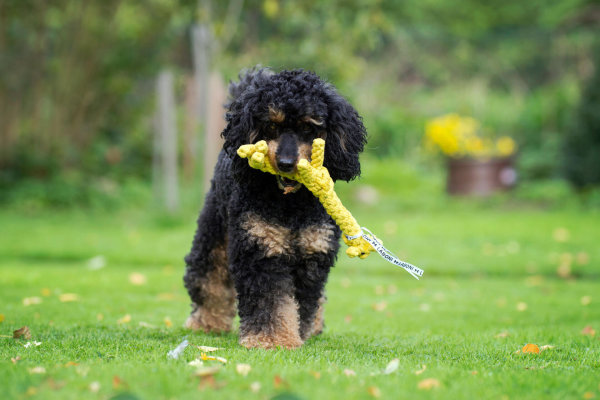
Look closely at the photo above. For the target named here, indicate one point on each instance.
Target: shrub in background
(582, 141)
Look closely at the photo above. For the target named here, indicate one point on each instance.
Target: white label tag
(386, 254)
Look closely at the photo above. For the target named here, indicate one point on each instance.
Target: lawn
(102, 293)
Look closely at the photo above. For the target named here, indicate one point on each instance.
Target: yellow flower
(505, 146)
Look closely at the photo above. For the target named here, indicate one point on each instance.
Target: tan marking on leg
(275, 239)
(315, 239)
(319, 321)
(218, 310)
(284, 330)
(276, 115)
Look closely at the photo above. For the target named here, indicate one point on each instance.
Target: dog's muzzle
(288, 185)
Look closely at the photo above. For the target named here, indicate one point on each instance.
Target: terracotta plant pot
(473, 177)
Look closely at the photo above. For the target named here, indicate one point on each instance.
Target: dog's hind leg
(207, 278)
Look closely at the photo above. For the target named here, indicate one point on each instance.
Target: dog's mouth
(288, 185)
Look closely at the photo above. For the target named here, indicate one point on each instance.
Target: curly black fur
(263, 228)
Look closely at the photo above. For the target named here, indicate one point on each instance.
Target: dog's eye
(271, 129)
(306, 128)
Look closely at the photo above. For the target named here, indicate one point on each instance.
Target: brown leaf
(207, 381)
(531, 348)
(588, 331)
(279, 382)
(71, 364)
(589, 395)
(22, 333)
(15, 359)
(428, 384)
(374, 391)
(382, 305)
(118, 383)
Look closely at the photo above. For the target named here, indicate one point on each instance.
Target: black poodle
(263, 241)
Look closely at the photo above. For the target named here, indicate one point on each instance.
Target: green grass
(481, 259)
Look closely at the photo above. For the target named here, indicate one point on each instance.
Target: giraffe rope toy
(316, 178)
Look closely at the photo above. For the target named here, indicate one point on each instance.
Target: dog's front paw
(203, 320)
(269, 341)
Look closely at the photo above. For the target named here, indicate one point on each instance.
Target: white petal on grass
(176, 352)
(255, 387)
(96, 263)
(196, 363)
(349, 372)
(392, 366)
(208, 349)
(94, 387)
(37, 370)
(243, 369)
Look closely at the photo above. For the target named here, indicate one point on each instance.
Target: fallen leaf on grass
(55, 385)
(94, 387)
(589, 395)
(28, 301)
(279, 382)
(15, 359)
(117, 382)
(348, 319)
(374, 391)
(124, 320)
(502, 334)
(208, 349)
(207, 371)
(1, 318)
(521, 306)
(586, 300)
(243, 369)
(428, 384)
(419, 372)
(531, 348)
(588, 331)
(546, 347)
(37, 370)
(22, 332)
(392, 366)
(68, 297)
(255, 387)
(474, 372)
(46, 292)
(137, 279)
(205, 357)
(382, 305)
(315, 374)
(582, 258)
(99, 317)
(196, 363)
(144, 324)
(560, 235)
(349, 372)
(168, 322)
(208, 381)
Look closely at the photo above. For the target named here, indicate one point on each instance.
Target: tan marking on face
(272, 152)
(219, 308)
(275, 115)
(315, 239)
(305, 151)
(312, 120)
(273, 239)
(253, 135)
(283, 330)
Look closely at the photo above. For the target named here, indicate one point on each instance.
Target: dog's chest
(277, 240)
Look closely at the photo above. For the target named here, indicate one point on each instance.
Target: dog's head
(289, 110)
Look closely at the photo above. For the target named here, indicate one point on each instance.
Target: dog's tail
(248, 78)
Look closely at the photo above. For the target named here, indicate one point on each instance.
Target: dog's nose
(286, 164)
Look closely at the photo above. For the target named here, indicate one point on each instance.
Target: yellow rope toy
(316, 178)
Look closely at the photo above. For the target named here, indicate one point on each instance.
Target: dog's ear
(242, 106)
(345, 140)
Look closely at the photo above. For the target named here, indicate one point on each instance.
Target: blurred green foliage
(77, 78)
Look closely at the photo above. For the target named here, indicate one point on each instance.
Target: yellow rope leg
(316, 178)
